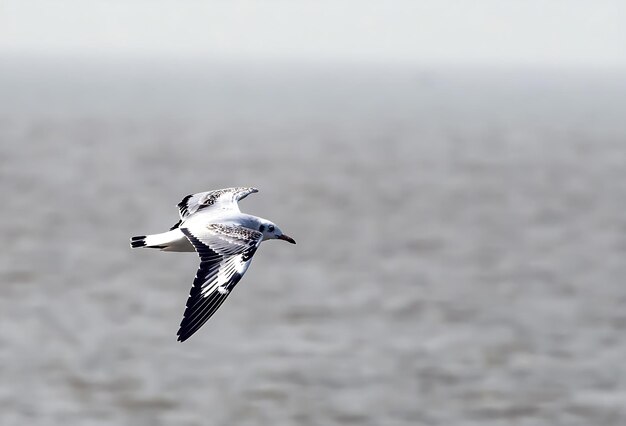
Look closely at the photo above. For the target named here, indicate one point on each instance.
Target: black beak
(287, 238)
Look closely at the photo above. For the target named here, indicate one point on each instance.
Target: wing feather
(225, 253)
(225, 199)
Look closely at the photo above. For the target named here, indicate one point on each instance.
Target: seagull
(212, 225)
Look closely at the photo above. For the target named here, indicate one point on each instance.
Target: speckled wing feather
(225, 252)
(225, 199)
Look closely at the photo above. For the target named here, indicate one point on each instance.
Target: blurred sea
(461, 254)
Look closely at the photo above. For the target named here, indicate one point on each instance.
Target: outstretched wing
(225, 199)
(225, 252)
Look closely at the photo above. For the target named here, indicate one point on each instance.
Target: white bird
(225, 239)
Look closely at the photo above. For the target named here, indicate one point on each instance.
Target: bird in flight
(225, 239)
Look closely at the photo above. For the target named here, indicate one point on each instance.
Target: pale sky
(480, 32)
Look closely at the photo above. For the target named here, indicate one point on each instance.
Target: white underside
(175, 240)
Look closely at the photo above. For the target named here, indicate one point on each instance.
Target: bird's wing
(225, 253)
(225, 199)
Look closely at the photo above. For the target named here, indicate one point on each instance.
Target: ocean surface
(461, 255)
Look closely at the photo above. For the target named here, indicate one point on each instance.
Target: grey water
(461, 255)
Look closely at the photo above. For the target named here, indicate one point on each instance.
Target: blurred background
(454, 173)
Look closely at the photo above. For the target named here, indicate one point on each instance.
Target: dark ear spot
(262, 228)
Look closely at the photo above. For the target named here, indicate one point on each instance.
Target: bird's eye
(270, 228)
(262, 228)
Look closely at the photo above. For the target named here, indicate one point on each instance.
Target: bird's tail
(145, 241)
(173, 240)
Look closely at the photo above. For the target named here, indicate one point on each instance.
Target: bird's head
(272, 232)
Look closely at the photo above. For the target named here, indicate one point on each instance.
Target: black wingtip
(183, 334)
(182, 206)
